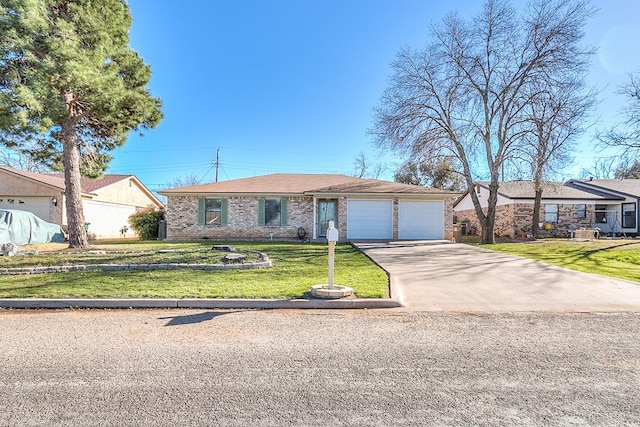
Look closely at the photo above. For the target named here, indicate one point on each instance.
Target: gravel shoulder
(360, 367)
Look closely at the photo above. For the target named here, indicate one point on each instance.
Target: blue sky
(289, 86)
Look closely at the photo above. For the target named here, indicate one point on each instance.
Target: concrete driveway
(444, 276)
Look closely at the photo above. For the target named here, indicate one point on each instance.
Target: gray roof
(630, 187)
(550, 190)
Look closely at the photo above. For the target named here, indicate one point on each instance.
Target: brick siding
(242, 219)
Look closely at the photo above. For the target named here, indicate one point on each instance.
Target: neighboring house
(280, 205)
(107, 202)
(618, 212)
(563, 207)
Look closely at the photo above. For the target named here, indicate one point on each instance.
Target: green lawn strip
(615, 258)
(296, 267)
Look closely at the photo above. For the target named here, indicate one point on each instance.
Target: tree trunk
(73, 190)
(535, 229)
(488, 224)
(488, 236)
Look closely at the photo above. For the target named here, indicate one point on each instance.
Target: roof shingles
(88, 185)
(305, 184)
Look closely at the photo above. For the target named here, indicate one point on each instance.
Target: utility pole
(217, 162)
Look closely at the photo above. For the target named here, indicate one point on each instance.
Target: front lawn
(296, 267)
(615, 258)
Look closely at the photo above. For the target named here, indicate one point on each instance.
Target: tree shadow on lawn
(195, 318)
(578, 254)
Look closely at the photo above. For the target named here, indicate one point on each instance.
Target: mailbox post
(332, 237)
(330, 290)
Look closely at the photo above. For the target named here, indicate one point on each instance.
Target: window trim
(547, 212)
(581, 211)
(202, 212)
(634, 217)
(262, 212)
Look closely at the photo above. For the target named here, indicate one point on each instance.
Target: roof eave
(36, 181)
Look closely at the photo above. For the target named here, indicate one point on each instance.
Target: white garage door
(39, 206)
(369, 219)
(420, 219)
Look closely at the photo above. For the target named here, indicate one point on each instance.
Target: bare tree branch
(465, 95)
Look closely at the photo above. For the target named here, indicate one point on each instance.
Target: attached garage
(421, 219)
(39, 206)
(369, 219)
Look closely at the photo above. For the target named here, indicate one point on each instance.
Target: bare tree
(464, 95)
(602, 168)
(18, 160)
(626, 135)
(183, 181)
(630, 170)
(556, 115)
(363, 168)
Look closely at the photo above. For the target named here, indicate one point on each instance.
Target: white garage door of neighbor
(421, 219)
(369, 219)
(39, 206)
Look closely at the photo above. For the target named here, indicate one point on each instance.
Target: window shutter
(283, 212)
(261, 212)
(200, 211)
(223, 212)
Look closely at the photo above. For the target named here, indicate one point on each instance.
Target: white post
(332, 237)
(315, 218)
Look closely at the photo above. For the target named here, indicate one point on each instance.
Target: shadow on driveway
(445, 276)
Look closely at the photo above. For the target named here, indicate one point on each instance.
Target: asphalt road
(272, 368)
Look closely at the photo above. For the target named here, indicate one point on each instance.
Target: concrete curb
(44, 303)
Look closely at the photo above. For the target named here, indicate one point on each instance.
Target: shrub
(145, 223)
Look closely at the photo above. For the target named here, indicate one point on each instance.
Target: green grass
(296, 267)
(615, 258)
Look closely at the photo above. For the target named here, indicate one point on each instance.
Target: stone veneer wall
(515, 220)
(242, 220)
(503, 225)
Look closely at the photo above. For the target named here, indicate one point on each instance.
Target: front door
(327, 210)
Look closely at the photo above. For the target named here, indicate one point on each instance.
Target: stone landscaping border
(264, 262)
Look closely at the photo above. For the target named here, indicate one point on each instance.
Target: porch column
(315, 215)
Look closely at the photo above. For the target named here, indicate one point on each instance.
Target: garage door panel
(369, 219)
(421, 219)
(39, 206)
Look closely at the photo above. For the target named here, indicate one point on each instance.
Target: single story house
(563, 207)
(284, 206)
(618, 211)
(107, 202)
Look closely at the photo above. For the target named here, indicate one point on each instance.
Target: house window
(212, 212)
(551, 213)
(601, 214)
(581, 211)
(272, 212)
(629, 215)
